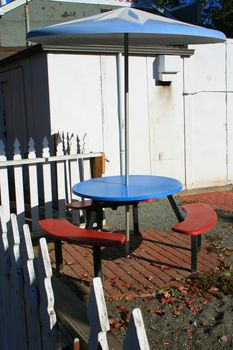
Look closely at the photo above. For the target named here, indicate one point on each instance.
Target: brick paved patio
(157, 258)
(217, 199)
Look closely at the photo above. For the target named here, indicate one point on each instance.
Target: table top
(140, 187)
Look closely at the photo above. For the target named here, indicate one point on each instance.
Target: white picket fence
(40, 186)
(27, 316)
(135, 338)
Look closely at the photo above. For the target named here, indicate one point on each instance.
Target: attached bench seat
(63, 230)
(199, 218)
(87, 203)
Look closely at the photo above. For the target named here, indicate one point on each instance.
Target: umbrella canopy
(144, 29)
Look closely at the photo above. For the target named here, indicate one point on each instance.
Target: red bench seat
(63, 230)
(199, 218)
(87, 203)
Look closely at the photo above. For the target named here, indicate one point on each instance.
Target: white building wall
(166, 126)
(75, 97)
(229, 103)
(183, 130)
(139, 145)
(110, 115)
(26, 102)
(83, 101)
(205, 116)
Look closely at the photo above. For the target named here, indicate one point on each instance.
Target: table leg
(58, 255)
(194, 251)
(179, 214)
(91, 214)
(135, 219)
(127, 230)
(97, 261)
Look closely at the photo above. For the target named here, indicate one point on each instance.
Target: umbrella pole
(121, 111)
(126, 80)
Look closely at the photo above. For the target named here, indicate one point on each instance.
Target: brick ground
(158, 259)
(217, 199)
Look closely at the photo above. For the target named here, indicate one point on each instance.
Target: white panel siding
(205, 114)
(139, 147)
(110, 112)
(167, 126)
(75, 97)
(229, 103)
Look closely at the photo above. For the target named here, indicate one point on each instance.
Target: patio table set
(125, 27)
(193, 219)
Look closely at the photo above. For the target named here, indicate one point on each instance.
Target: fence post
(30, 292)
(74, 176)
(136, 338)
(98, 317)
(4, 185)
(33, 184)
(19, 188)
(4, 285)
(61, 187)
(17, 297)
(47, 313)
(47, 180)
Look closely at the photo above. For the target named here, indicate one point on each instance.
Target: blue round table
(140, 187)
(112, 189)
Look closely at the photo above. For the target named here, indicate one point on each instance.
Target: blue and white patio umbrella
(124, 26)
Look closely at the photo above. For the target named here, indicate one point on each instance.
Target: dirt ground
(197, 313)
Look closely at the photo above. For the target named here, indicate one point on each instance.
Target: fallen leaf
(167, 294)
(156, 312)
(192, 292)
(111, 322)
(177, 310)
(188, 330)
(125, 315)
(165, 343)
(150, 278)
(195, 309)
(114, 278)
(168, 300)
(147, 299)
(117, 325)
(179, 279)
(213, 289)
(227, 273)
(121, 307)
(72, 262)
(224, 339)
(148, 287)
